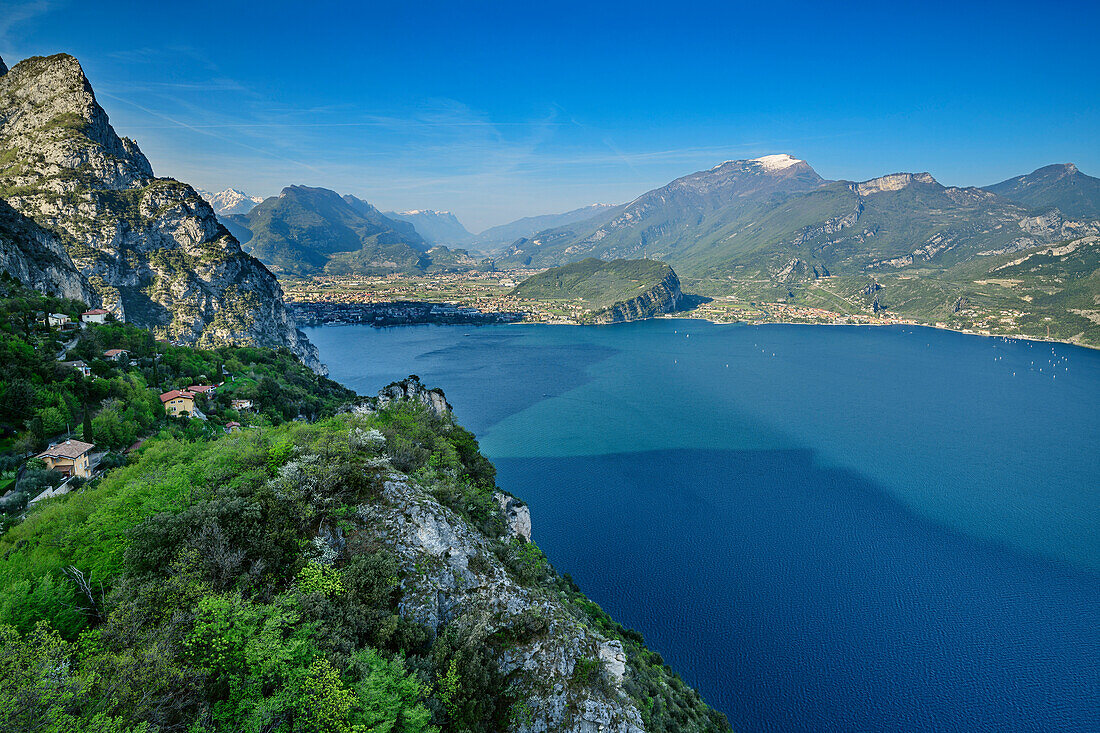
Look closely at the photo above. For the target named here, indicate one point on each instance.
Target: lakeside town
(486, 297)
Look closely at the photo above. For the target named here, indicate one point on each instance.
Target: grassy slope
(196, 525)
(598, 283)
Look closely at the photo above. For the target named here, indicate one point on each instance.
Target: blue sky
(501, 110)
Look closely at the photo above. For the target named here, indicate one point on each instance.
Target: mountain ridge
(435, 227)
(1059, 186)
(306, 229)
(151, 248)
(230, 201)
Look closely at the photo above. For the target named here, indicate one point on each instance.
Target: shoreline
(671, 317)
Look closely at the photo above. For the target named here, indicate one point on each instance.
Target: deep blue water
(821, 528)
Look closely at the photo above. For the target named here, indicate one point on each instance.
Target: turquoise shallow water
(831, 528)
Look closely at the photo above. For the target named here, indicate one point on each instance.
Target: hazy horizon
(495, 112)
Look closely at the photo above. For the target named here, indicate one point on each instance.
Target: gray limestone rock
(150, 248)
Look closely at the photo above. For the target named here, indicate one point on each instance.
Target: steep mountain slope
(357, 572)
(231, 201)
(662, 223)
(496, 238)
(371, 213)
(775, 218)
(1060, 186)
(435, 227)
(610, 292)
(150, 247)
(38, 259)
(238, 225)
(307, 230)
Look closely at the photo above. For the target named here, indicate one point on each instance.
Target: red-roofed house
(95, 315)
(201, 388)
(117, 354)
(233, 427)
(70, 458)
(177, 401)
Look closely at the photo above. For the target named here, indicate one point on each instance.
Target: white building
(95, 315)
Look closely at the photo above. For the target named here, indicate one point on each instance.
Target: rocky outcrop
(516, 514)
(453, 579)
(892, 182)
(151, 248)
(663, 297)
(36, 258)
(411, 389)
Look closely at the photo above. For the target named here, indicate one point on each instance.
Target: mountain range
(495, 239)
(443, 227)
(89, 218)
(230, 201)
(772, 229)
(759, 215)
(307, 231)
(435, 227)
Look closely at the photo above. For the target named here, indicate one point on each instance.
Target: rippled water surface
(821, 528)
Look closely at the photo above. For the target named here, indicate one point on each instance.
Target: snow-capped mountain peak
(427, 212)
(776, 162)
(231, 201)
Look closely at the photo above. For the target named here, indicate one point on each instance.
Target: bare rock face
(516, 514)
(410, 388)
(613, 659)
(663, 297)
(151, 248)
(38, 259)
(892, 182)
(453, 579)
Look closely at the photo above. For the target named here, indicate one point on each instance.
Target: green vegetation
(190, 585)
(186, 591)
(596, 284)
(42, 399)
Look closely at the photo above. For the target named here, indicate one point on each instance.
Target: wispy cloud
(13, 15)
(193, 128)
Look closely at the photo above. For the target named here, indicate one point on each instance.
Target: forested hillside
(315, 561)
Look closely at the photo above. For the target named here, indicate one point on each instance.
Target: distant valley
(769, 238)
(764, 238)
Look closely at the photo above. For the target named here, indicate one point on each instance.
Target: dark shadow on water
(487, 373)
(470, 371)
(801, 597)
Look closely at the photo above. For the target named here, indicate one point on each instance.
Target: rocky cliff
(150, 248)
(663, 297)
(454, 580)
(562, 664)
(38, 259)
(607, 292)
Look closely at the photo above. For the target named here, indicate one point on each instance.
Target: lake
(820, 528)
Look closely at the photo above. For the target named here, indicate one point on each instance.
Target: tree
(88, 433)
